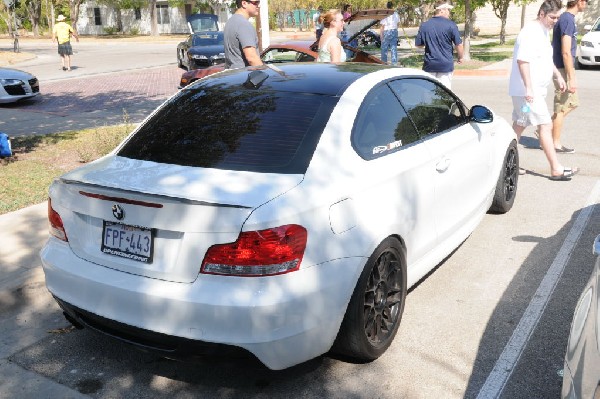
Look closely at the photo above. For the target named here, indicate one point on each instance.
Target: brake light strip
(121, 200)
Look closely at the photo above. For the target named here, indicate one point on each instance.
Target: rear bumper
(283, 320)
(166, 345)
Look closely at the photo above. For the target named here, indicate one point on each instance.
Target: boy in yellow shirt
(62, 33)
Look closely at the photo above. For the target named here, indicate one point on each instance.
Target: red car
(306, 51)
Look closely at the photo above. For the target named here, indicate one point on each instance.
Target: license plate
(131, 242)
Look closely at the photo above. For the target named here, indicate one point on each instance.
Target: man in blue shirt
(564, 46)
(438, 36)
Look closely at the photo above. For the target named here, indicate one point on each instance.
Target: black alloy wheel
(506, 188)
(382, 298)
(376, 306)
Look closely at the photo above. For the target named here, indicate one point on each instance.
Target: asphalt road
(491, 321)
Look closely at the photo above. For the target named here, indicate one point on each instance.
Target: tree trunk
(74, 7)
(523, 11)
(259, 33)
(34, 10)
(467, 33)
(153, 19)
(503, 30)
(119, 19)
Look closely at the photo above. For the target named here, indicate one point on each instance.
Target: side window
(278, 55)
(381, 126)
(432, 107)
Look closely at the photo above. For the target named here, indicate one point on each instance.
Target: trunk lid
(177, 211)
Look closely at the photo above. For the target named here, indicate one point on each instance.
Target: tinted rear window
(208, 39)
(243, 129)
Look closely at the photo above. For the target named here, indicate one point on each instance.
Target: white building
(98, 19)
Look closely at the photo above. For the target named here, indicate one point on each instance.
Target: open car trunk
(203, 23)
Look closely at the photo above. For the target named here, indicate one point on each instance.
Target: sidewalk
(23, 233)
(28, 312)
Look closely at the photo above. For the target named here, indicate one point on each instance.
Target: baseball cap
(444, 5)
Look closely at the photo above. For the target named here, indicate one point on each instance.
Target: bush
(110, 30)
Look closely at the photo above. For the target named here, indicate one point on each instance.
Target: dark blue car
(204, 47)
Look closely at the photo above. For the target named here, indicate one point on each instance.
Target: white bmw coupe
(285, 211)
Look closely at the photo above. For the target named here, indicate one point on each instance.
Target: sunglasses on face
(254, 3)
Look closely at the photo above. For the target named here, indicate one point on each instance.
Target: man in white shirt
(531, 73)
(389, 35)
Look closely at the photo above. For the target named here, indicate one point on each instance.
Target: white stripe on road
(495, 382)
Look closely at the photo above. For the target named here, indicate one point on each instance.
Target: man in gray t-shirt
(241, 41)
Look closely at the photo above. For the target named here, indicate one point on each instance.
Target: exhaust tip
(73, 321)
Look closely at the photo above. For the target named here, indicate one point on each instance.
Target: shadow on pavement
(78, 103)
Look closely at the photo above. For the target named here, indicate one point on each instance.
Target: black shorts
(65, 49)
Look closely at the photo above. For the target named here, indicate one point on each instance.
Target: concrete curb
(481, 72)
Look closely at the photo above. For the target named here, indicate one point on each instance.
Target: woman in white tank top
(330, 46)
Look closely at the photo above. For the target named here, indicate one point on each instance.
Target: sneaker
(565, 150)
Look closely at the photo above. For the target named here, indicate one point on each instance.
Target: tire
(180, 64)
(506, 188)
(376, 306)
(579, 65)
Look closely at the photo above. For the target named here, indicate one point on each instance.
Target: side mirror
(481, 114)
(587, 27)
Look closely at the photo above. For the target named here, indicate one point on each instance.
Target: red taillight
(258, 253)
(57, 229)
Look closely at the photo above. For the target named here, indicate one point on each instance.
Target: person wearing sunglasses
(241, 40)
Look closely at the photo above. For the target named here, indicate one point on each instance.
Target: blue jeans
(390, 42)
(344, 38)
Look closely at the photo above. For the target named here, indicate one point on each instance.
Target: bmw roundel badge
(118, 212)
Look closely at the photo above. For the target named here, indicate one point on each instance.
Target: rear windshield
(243, 129)
(208, 39)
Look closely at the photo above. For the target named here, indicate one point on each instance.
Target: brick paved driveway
(91, 101)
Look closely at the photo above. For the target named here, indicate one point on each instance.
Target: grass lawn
(37, 160)
(478, 59)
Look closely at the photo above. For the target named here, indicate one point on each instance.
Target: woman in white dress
(330, 46)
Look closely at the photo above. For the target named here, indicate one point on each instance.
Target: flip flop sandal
(567, 174)
(565, 150)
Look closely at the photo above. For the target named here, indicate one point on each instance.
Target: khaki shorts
(564, 101)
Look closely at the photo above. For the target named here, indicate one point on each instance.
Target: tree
(153, 18)
(500, 8)
(469, 11)
(34, 12)
(74, 12)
